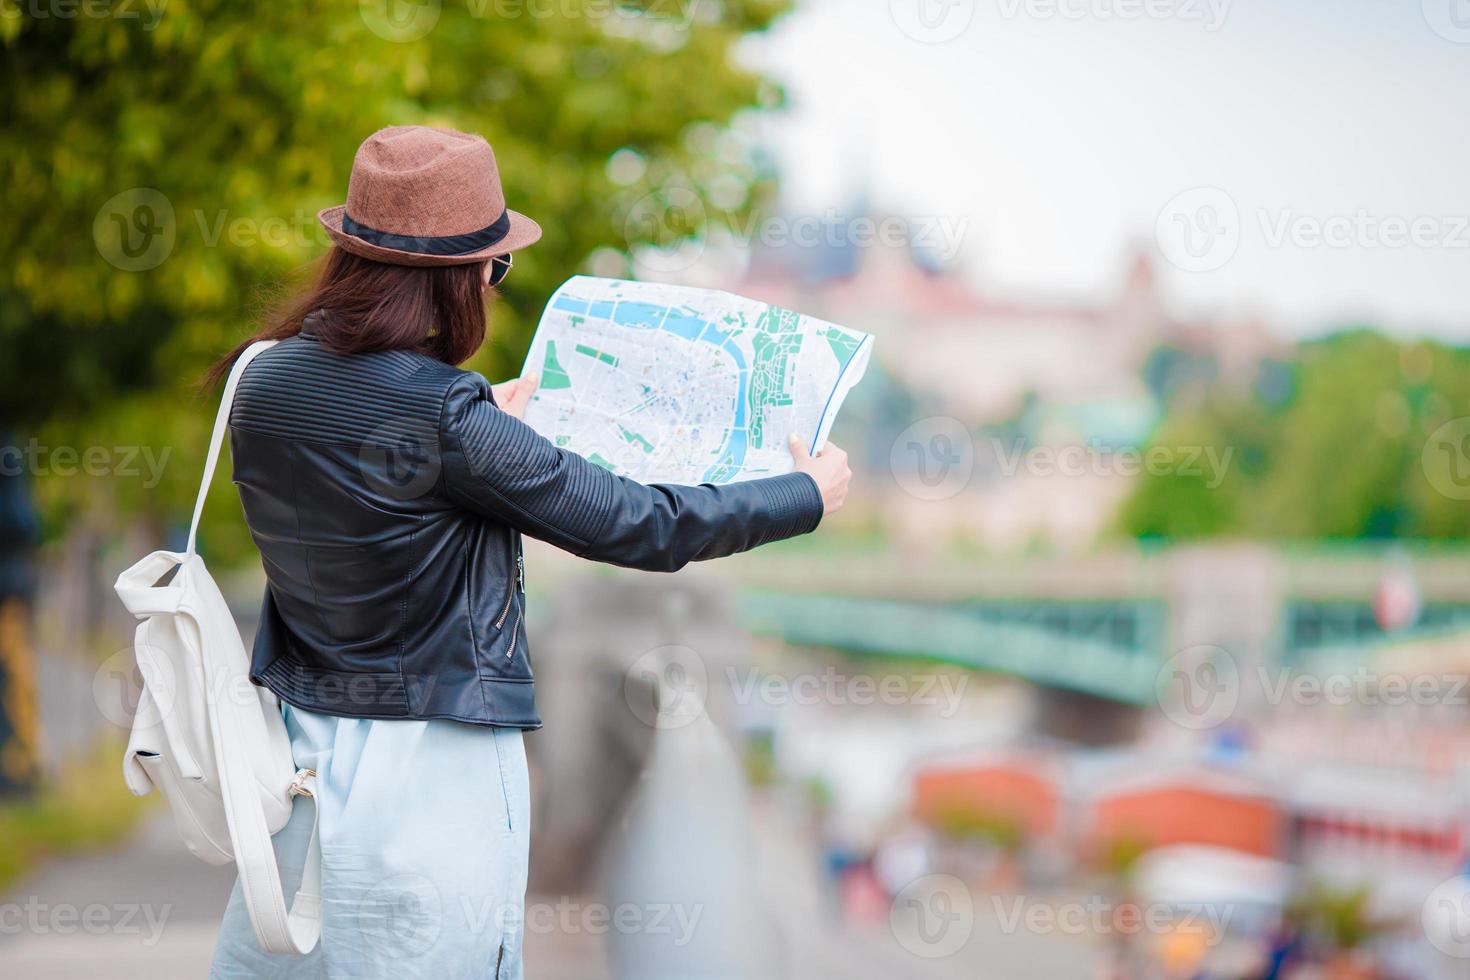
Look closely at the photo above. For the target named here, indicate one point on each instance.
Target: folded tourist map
(671, 384)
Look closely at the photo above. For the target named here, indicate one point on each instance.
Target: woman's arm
(498, 466)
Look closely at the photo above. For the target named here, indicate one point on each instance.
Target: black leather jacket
(388, 495)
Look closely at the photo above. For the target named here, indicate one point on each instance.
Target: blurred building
(1048, 391)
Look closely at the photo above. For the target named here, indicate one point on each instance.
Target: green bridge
(1111, 649)
(1105, 649)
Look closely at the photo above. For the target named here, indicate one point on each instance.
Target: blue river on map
(683, 323)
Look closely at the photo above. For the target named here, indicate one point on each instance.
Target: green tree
(1195, 501)
(1351, 454)
(163, 170)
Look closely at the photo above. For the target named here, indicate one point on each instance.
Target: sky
(1304, 161)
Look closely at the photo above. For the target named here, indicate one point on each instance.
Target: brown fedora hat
(425, 196)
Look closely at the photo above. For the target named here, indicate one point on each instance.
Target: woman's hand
(514, 396)
(828, 468)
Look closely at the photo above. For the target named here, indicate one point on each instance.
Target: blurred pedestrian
(19, 708)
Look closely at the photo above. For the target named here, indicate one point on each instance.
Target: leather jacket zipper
(515, 635)
(510, 597)
(518, 583)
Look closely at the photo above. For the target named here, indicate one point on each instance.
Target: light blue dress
(424, 841)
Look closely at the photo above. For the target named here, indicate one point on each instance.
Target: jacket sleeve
(500, 467)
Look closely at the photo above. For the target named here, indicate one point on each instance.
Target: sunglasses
(500, 266)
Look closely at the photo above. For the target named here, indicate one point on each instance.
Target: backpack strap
(279, 929)
(221, 424)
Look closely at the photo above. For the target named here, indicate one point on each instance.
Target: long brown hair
(372, 306)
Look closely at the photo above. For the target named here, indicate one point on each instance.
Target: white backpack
(210, 741)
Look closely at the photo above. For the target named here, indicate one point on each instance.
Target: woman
(388, 491)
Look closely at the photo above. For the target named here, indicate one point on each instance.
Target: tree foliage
(1366, 446)
(225, 127)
